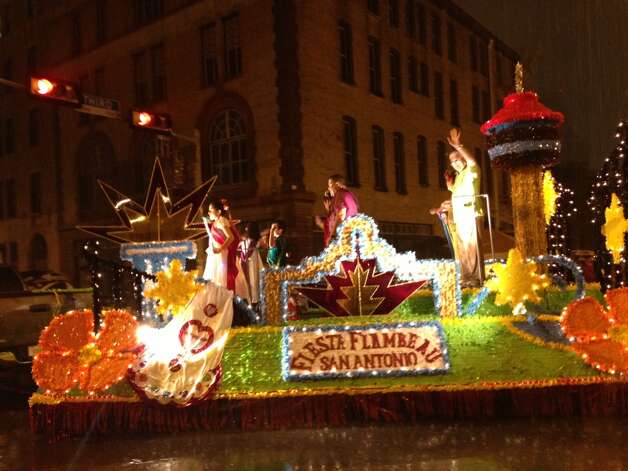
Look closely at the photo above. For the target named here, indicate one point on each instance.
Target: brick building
(283, 93)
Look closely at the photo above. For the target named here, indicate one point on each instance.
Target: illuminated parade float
(358, 333)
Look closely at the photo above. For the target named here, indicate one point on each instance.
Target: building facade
(282, 93)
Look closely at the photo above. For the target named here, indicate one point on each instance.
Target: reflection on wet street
(574, 444)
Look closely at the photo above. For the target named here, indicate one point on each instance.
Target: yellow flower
(615, 225)
(516, 282)
(174, 289)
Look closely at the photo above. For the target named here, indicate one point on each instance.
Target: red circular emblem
(210, 310)
(195, 336)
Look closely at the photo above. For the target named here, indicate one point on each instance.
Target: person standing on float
(345, 204)
(465, 211)
(221, 267)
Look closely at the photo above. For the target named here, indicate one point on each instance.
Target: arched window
(96, 160)
(228, 150)
(38, 253)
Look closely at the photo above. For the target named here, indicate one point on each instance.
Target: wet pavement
(559, 444)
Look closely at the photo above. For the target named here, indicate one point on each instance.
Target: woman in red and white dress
(221, 267)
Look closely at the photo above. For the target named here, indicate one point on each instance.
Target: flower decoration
(73, 355)
(516, 282)
(600, 336)
(614, 227)
(174, 288)
(549, 195)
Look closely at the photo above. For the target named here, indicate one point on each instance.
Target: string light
(608, 181)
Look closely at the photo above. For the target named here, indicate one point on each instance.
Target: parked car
(24, 312)
(45, 280)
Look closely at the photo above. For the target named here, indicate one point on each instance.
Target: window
(473, 52)
(158, 73)
(228, 149)
(7, 73)
(31, 9)
(379, 158)
(436, 34)
(421, 155)
(375, 72)
(95, 159)
(101, 21)
(373, 6)
(453, 102)
(99, 81)
(140, 79)
(400, 164)
(2, 213)
(393, 13)
(350, 145)
(76, 34)
(5, 21)
(486, 105)
(83, 82)
(413, 74)
(441, 152)
(395, 76)
(9, 136)
(425, 80)
(421, 19)
(209, 55)
(233, 54)
(148, 10)
(13, 254)
(11, 198)
(33, 127)
(410, 19)
(475, 103)
(452, 46)
(36, 193)
(31, 61)
(346, 52)
(484, 58)
(488, 176)
(439, 103)
(505, 186)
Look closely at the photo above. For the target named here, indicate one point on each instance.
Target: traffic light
(152, 121)
(57, 90)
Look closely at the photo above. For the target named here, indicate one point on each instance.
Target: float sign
(410, 348)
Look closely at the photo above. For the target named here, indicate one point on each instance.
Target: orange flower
(72, 354)
(599, 336)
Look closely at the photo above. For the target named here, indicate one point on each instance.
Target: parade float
(380, 336)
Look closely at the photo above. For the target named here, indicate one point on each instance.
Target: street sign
(100, 106)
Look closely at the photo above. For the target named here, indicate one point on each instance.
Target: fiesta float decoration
(74, 356)
(523, 139)
(516, 282)
(600, 336)
(179, 362)
(360, 291)
(358, 237)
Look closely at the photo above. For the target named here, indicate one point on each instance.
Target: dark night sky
(575, 53)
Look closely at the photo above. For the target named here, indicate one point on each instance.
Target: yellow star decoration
(615, 225)
(516, 282)
(549, 196)
(173, 290)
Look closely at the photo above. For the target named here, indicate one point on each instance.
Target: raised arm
(455, 142)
